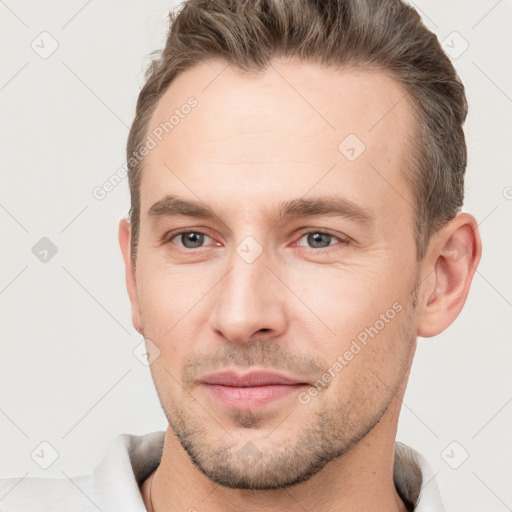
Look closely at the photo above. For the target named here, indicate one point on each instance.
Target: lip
(251, 390)
(254, 378)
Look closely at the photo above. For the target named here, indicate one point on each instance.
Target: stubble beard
(251, 461)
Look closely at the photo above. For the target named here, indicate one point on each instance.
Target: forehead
(293, 120)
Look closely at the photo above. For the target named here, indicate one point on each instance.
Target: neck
(359, 480)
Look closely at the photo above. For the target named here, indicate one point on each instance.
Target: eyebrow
(334, 206)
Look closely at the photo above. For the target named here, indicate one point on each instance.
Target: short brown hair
(385, 35)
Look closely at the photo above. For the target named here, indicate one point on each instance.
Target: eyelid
(343, 239)
(168, 237)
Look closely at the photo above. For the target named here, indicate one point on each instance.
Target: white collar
(415, 481)
(114, 484)
(413, 476)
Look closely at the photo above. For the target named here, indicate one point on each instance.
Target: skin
(252, 143)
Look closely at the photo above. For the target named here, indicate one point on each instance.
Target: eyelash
(341, 240)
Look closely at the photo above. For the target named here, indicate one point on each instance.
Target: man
(296, 175)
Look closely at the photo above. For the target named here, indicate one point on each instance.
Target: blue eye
(310, 240)
(319, 240)
(191, 239)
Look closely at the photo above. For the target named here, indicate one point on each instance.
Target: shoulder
(29, 494)
(114, 484)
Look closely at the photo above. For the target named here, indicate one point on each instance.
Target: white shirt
(114, 484)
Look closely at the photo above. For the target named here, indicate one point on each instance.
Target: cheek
(355, 322)
(366, 369)
(328, 307)
(169, 303)
(166, 293)
(345, 301)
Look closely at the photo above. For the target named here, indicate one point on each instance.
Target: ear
(452, 258)
(131, 284)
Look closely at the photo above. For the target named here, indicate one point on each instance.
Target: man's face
(306, 265)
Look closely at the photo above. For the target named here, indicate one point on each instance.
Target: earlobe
(455, 254)
(131, 284)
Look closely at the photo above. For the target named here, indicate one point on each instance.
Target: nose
(249, 301)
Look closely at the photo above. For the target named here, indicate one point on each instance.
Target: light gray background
(67, 372)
